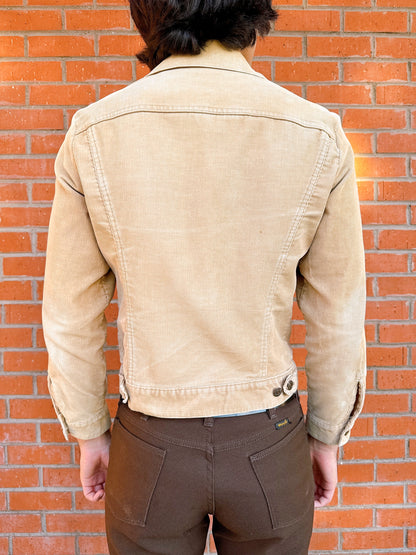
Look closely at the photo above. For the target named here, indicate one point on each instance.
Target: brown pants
(252, 473)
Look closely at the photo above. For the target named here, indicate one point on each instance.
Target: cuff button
(277, 391)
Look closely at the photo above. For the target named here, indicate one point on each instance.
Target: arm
(78, 287)
(331, 295)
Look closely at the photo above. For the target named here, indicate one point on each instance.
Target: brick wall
(358, 57)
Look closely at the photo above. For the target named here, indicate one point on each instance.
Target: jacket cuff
(82, 430)
(337, 435)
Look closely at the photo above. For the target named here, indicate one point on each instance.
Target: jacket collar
(214, 55)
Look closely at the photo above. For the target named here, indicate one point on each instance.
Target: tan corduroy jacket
(210, 195)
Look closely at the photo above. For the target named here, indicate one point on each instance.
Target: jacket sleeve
(331, 294)
(78, 287)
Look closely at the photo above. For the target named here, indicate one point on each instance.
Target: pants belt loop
(209, 421)
(272, 413)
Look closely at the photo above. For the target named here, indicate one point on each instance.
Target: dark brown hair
(184, 26)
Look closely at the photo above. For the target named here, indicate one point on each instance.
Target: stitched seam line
(214, 387)
(154, 108)
(282, 260)
(105, 197)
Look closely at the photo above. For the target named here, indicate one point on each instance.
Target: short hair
(185, 26)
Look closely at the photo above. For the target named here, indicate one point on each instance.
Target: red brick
(12, 144)
(397, 333)
(30, 71)
(129, 45)
(386, 403)
(411, 488)
(40, 500)
(308, 20)
(41, 242)
(90, 545)
(46, 144)
(375, 71)
(12, 94)
(380, 167)
(112, 358)
(385, 262)
(19, 478)
(397, 239)
(30, 20)
(396, 47)
(13, 192)
(396, 379)
(20, 523)
(27, 167)
(306, 71)
(263, 67)
(370, 332)
(355, 472)
(61, 477)
(375, 22)
(279, 46)
(24, 266)
(386, 356)
(75, 522)
(343, 518)
(17, 433)
(141, 70)
(372, 539)
(396, 142)
(73, 46)
(97, 19)
(51, 545)
(16, 337)
(15, 290)
(396, 94)
(31, 119)
(62, 95)
(362, 118)
(370, 287)
(11, 46)
(27, 361)
(347, 3)
(396, 426)
(411, 538)
(39, 455)
(379, 449)
(368, 236)
(395, 285)
(396, 472)
(372, 495)
(94, 71)
(363, 427)
(338, 47)
(397, 190)
(339, 94)
(40, 340)
(362, 143)
(384, 214)
(396, 517)
(24, 314)
(22, 217)
(323, 541)
(43, 192)
(23, 385)
(15, 242)
(31, 408)
(51, 432)
(105, 90)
